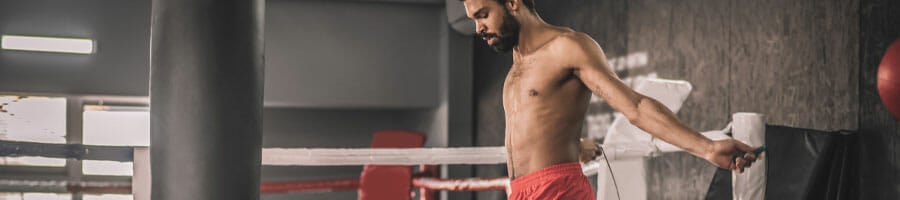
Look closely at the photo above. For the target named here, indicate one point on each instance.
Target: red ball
(889, 79)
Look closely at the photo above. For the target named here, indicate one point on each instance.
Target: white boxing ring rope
(446, 155)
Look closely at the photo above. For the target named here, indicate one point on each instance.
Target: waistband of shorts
(558, 170)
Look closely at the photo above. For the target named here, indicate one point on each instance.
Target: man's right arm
(645, 112)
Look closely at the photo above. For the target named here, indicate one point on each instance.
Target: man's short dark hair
(528, 3)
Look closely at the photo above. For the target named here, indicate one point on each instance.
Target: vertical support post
(429, 171)
(140, 181)
(74, 135)
(750, 128)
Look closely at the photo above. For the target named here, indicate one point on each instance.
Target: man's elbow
(633, 114)
(642, 109)
(634, 118)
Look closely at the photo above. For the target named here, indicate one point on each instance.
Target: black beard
(508, 36)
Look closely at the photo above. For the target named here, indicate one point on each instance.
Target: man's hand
(589, 150)
(722, 154)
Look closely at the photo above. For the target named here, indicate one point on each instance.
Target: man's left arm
(591, 67)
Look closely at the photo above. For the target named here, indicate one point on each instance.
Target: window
(43, 120)
(33, 119)
(114, 126)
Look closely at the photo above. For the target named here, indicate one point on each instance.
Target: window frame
(72, 171)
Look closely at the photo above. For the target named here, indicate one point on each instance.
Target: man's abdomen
(534, 148)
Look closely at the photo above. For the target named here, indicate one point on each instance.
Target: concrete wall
(772, 57)
(879, 132)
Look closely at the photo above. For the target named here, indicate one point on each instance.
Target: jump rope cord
(616, 185)
(727, 129)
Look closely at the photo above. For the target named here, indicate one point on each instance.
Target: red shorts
(561, 181)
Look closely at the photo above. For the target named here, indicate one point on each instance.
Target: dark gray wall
(352, 54)
(456, 106)
(120, 66)
(490, 70)
(879, 139)
(796, 61)
(319, 54)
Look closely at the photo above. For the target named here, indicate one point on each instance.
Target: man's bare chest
(529, 81)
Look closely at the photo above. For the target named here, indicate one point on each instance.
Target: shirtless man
(546, 93)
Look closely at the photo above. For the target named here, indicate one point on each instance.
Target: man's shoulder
(575, 39)
(575, 46)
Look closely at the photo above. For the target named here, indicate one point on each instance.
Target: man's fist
(723, 154)
(589, 150)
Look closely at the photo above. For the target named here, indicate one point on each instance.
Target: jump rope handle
(756, 152)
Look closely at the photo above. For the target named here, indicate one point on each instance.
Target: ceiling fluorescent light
(47, 44)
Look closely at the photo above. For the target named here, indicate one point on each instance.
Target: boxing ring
(388, 165)
(381, 169)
